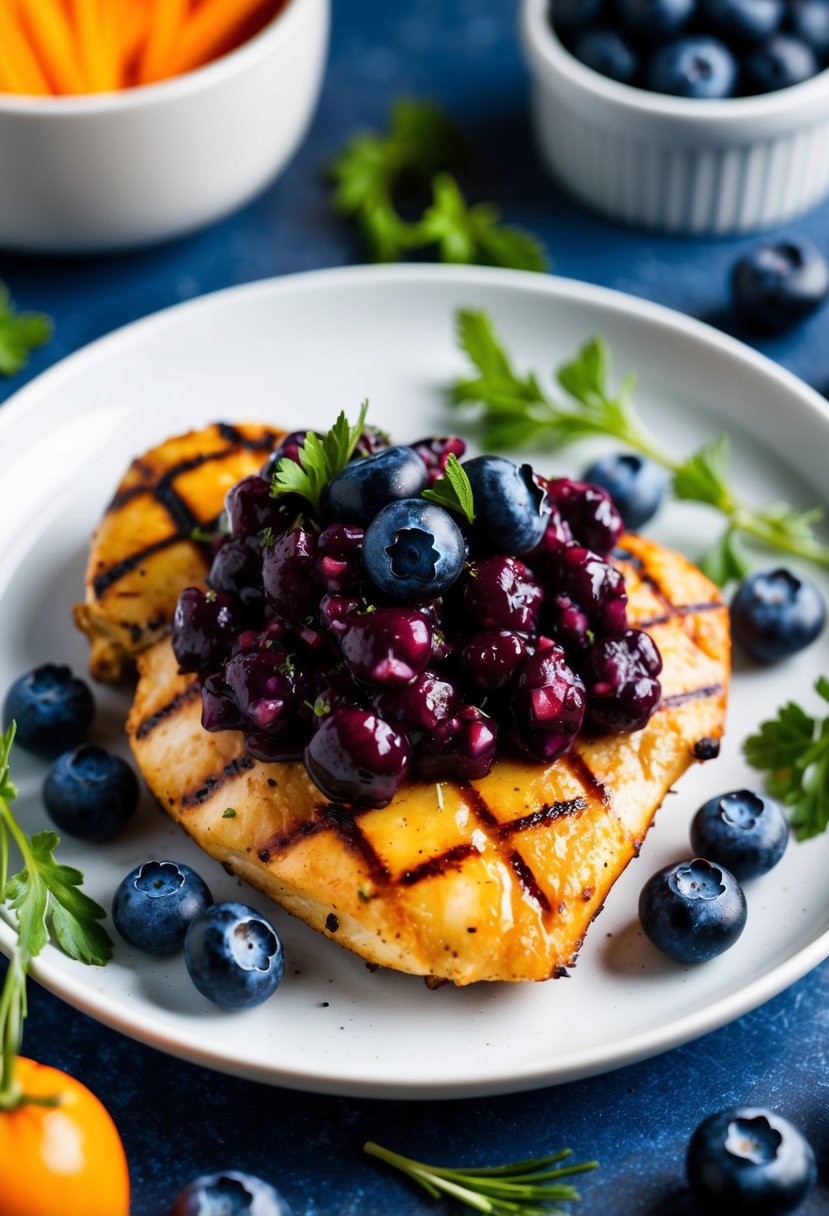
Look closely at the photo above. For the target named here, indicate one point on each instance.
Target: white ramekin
(674, 164)
(119, 170)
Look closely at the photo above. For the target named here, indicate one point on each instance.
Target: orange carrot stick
(50, 34)
(167, 18)
(19, 69)
(84, 16)
(209, 31)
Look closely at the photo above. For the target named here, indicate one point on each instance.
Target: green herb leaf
(46, 892)
(702, 477)
(320, 459)
(229, 813)
(20, 333)
(515, 412)
(525, 1188)
(793, 750)
(724, 562)
(453, 490)
(420, 149)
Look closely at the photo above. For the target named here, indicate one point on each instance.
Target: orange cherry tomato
(64, 1160)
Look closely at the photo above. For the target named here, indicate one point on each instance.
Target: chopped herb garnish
(267, 538)
(320, 459)
(517, 411)
(793, 750)
(229, 812)
(422, 148)
(20, 334)
(519, 1188)
(452, 490)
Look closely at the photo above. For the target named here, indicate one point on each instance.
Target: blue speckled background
(176, 1119)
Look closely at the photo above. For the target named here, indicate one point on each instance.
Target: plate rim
(506, 1078)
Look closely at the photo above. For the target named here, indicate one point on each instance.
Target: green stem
(743, 519)
(12, 1013)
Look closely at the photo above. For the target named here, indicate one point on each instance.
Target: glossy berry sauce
(384, 636)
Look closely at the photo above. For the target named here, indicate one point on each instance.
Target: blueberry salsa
(702, 49)
(380, 635)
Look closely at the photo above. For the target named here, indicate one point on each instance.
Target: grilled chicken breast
(496, 879)
(142, 554)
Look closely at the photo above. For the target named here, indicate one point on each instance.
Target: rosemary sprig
(518, 1188)
(517, 412)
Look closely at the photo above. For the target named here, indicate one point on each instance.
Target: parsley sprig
(321, 457)
(525, 1188)
(47, 899)
(793, 750)
(20, 334)
(518, 412)
(424, 148)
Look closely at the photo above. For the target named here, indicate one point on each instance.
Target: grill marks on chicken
(496, 879)
(142, 552)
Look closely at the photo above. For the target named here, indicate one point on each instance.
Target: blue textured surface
(177, 1120)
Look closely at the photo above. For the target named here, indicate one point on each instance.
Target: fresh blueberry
(511, 508)
(90, 793)
(747, 1161)
(698, 67)
(154, 905)
(53, 710)
(781, 61)
(234, 955)
(364, 486)
(809, 21)
(655, 20)
(230, 1193)
(775, 613)
(636, 485)
(743, 20)
(606, 52)
(776, 284)
(413, 550)
(692, 911)
(742, 830)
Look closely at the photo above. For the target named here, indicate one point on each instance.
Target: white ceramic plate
(293, 352)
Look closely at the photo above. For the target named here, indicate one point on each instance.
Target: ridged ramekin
(673, 164)
(119, 170)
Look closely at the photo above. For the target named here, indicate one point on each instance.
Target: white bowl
(120, 170)
(672, 163)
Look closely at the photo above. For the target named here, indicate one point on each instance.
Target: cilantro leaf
(46, 893)
(453, 490)
(320, 459)
(20, 333)
(421, 149)
(793, 750)
(472, 234)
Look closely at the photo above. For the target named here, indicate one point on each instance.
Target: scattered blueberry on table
(156, 903)
(90, 793)
(779, 283)
(229, 1193)
(699, 49)
(749, 1161)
